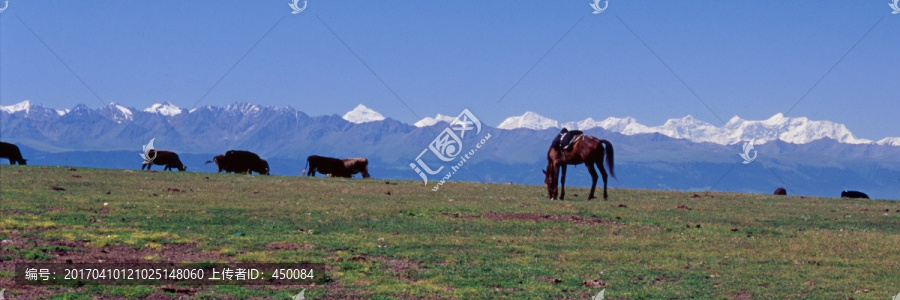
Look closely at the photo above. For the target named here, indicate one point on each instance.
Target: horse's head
(550, 181)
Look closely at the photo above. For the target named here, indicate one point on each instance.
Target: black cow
(11, 152)
(780, 191)
(241, 161)
(854, 194)
(164, 158)
(327, 165)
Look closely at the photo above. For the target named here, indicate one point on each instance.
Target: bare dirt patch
(403, 268)
(741, 296)
(594, 283)
(401, 265)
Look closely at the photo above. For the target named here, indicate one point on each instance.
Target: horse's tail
(609, 157)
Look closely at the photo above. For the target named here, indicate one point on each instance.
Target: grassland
(398, 239)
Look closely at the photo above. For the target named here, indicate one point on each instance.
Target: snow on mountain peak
(692, 129)
(798, 130)
(529, 120)
(165, 109)
(778, 118)
(243, 107)
(890, 141)
(120, 113)
(362, 114)
(429, 121)
(21, 106)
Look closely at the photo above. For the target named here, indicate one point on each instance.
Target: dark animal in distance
(337, 167)
(12, 153)
(240, 161)
(587, 150)
(326, 165)
(164, 158)
(357, 165)
(780, 191)
(854, 194)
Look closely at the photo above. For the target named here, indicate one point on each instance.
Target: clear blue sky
(746, 58)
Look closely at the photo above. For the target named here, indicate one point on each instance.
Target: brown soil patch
(594, 283)
(403, 268)
(535, 217)
(550, 279)
(401, 265)
(741, 296)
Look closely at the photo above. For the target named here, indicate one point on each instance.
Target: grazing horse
(586, 150)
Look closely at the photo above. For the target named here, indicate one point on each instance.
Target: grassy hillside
(400, 240)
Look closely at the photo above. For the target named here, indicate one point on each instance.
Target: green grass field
(470, 241)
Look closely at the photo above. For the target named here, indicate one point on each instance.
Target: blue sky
(746, 58)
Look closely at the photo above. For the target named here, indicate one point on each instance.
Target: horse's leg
(602, 174)
(562, 180)
(590, 167)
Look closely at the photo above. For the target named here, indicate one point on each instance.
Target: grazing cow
(221, 163)
(780, 191)
(327, 165)
(12, 153)
(357, 165)
(241, 161)
(166, 158)
(854, 194)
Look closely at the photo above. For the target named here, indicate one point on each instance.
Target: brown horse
(587, 150)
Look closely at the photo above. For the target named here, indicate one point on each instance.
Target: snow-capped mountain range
(799, 130)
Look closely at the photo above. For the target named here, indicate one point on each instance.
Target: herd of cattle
(233, 161)
(240, 161)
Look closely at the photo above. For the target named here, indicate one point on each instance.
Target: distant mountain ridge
(111, 136)
(799, 130)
